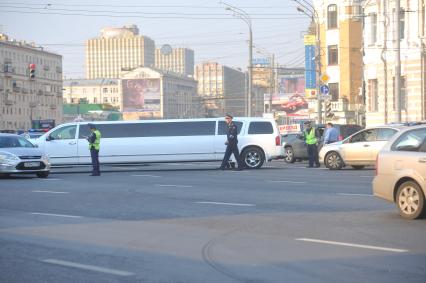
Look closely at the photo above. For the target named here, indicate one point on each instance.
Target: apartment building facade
(340, 24)
(178, 60)
(222, 89)
(30, 84)
(380, 53)
(118, 49)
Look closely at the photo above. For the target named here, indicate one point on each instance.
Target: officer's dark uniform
(231, 147)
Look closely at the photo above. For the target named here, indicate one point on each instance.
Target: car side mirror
(49, 138)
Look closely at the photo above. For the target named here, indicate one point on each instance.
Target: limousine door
(61, 145)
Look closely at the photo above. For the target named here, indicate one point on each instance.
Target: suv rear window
(257, 128)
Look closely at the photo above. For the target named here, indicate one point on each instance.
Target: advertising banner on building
(142, 96)
(291, 84)
(310, 66)
(290, 105)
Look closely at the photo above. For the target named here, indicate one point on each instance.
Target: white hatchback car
(358, 150)
(401, 172)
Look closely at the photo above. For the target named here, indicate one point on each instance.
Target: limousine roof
(170, 120)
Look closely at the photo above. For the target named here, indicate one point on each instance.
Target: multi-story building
(118, 49)
(178, 60)
(96, 91)
(340, 24)
(380, 53)
(222, 88)
(30, 84)
(149, 93)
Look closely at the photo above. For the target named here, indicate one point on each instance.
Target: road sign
(324, 89)
(325, 78)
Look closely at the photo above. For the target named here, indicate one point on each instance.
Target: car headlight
(8, 158)
(45, 157)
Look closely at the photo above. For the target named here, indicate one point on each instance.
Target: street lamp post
(243, 15)
(307, 8)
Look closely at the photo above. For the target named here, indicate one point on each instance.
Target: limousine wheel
(410, 200)
(253, 157)
(333, 161)
(42, 174)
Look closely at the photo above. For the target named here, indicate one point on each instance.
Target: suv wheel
(252, 157)
(289, 155)
(333, 161)
(42, 174)
(410, 200)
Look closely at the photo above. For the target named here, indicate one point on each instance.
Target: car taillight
(340, 138)
(278, 140)
(377, 165)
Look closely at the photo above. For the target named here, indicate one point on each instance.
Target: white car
(358, 150)
(146, 141)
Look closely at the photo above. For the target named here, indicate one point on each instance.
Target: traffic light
(328, 112)
(32, 68)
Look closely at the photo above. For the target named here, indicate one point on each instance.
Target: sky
(214, 33)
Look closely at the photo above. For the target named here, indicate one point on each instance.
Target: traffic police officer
(311, 137)
(231, 144)
(94, 141)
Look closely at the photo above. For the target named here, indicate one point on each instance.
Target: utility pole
(271, 81)
(397, 34)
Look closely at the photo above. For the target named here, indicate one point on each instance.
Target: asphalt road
(191, 223)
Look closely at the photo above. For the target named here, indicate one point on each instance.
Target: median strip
(56, 215)
(225, 203)
(352, 245)
(88, 267)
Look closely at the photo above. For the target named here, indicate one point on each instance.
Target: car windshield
(13, 141)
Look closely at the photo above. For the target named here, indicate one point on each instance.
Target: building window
(373, 87)
(105, 90)
(373, 31)
(334, 91)
(332, 16)
(95, 100)
(333, 55)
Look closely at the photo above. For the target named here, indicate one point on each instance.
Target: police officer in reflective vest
(311, 137)
(94, 141)
(231, 144)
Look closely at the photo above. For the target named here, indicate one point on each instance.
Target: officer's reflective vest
(310, 137)
(97, 141)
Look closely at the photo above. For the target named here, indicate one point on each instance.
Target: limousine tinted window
(161, 129)
(260, 128)
(223, 127)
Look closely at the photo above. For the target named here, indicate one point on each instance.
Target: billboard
(310, 65)
(291, 105)
(291, 84)
(142, 95)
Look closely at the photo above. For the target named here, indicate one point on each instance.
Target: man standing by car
(231, 144)
(94, 143)
(311, 137)
(331, 135)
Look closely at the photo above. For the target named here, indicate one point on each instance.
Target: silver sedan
(19, 156)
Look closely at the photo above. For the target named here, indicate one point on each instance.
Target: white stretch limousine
(147, 141)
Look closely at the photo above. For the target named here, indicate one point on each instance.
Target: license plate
(31, 164)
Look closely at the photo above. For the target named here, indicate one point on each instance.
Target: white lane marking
(50, 179)
(176, 186)
(152, 176)
(352, 245)
(57, 215)
(88, 267)
(291, 182)
(225, 203)
(357, 195)
(366, 176)
(50, 192)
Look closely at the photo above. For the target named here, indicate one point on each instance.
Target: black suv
(295, 147)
